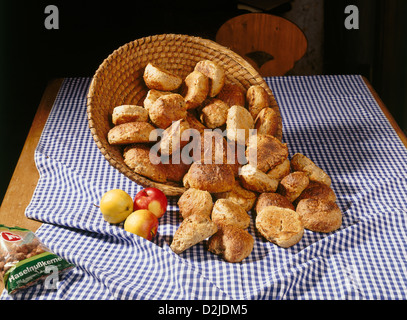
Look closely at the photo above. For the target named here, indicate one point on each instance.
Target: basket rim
(141, 180)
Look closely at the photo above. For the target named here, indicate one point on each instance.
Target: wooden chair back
(270, 43)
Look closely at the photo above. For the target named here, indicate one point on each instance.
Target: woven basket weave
(119, 80)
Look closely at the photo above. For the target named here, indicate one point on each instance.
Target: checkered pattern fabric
(334, 120)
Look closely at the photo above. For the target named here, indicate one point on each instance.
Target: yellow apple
(142, 223)
(116, 205)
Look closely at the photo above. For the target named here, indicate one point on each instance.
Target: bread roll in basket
(119, 81)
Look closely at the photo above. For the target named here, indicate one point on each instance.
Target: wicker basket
(119, 81)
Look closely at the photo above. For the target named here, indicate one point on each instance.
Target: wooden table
(25, 176)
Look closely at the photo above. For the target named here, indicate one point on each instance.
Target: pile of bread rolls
(286, 196)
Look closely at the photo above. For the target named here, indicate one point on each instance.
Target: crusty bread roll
(195, 89)
(272, 199)
(281, 226)
(240, 195)
(268, 121)
(175, 171)
(171, 141)
(266, 151)
(166, 109)
(160, 79)
(229, 212)
(234, 244)
(214, 113)
(137, 157)
(194, 201)
(299, 162)
(232, 94)
(152, 96)
(257, 99)
(130, 132)
(256, 180)
(293, 184)
(280, 170)
(129, 113)
(317, 190)
(239, 118)
(192, 230)
(320, 215)
(213, 178)
(214, 72)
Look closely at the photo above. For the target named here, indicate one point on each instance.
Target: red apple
(142, 223)
(151, 199)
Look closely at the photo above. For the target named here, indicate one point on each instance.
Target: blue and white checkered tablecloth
(334, 120)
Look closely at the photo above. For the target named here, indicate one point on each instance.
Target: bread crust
(234, 244)
(160, 79)
(268, 121)
(137, 158)
(280, 171)
(257, 99)
(269, 150)
(171, 140)
(152, 96)
(214, 72)
(130, 132)
(281, 226)
(293, 184)
(320, 215)
(317, 190)
(299, 162)
(192, 230)
(232, 94)
(213, 178)
(166, 109)
(256, 180)
(272, 199)
(240, 195)
(229, 212)
(194, 201)
(214, 113)
(195, 89)
(129, 113)
(238, 118)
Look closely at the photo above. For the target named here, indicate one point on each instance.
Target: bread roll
(166, 109)
(320, 215)
(317, 190)
(160, 79)
(137, 157)
(272, 199)
(214, 113)
(256, 180)
(281, 226)
(192, 230)
(229, 212)
(268, 121)
(266, 151)
(234, 244)
(239, 119)
(129, 113)
(232, 94)
(196, 89)
(194, 201)
(213, 178)
(293, 184)
(280, 170)
(171, 140)
(214, 72)
(257, 99)
(299, 162)
(152, 96)
(130, 132)
(240, 195)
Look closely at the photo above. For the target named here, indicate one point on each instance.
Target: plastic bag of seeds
(24, 260)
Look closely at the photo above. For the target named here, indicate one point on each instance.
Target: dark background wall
(31, 55)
